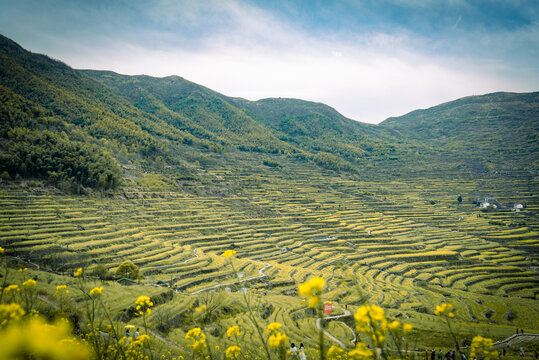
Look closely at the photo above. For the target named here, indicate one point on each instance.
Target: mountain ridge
(173, 122)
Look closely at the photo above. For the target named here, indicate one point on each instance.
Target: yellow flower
(229, 253)
(78, 272)
(1, 250)
(59, 289)
(143, 338)
(232, 352)
(334, 353)
(200, 309)
(198, 338)
(96, 291)
(274, 326)
(194, 332)
(406, 328)
(372, 321)
(361, 352)
(29, 283)
(34, 338)
(482, 348)
(233, 330)
(394, 326)
(9, 313)
(143, 305)
(11, 288)
(444, 310)
(277, 339)
(312, 289)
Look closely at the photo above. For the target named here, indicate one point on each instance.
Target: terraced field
(407, 245)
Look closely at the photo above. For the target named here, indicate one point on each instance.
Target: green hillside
(318, 127)
(194, 109)
(499, 131)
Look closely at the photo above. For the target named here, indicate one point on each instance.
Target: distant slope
(318, 127)
(298, 128)
(499, 130)
(194, 109)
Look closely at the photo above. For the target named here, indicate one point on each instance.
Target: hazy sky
(368, 59)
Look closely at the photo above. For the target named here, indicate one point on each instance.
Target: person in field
(302, 355)
(293, 351)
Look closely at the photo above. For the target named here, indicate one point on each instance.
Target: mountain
(81, 129)
(499, 130)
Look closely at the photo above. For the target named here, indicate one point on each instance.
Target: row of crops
(407, 244)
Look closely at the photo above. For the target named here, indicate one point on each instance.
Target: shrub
(129, 270)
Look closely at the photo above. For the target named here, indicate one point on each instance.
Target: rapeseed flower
(9, 313)
(35, 338)
(371, 320)
(29, 283)
(229, 253)
(61, 289)
(444, 310)
(335, 353)
(482, 348)
(96, 291)
(361, 352)
(277, 339)
(11, 289)
(273, 327)
(233, 331)
(144, 305)
(198, 338)
(232, 352)
(312, 290)
(406, 328)
(396, 327)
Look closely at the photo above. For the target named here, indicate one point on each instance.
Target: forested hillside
(497, 130)
(78, 128)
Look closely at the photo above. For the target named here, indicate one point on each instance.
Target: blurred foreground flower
(36, 339)
(370, 319)
(229, 253)
(361, 352)
(312, 290)
(10, 313)
(482, 348)
(232, 352)
(444, 310)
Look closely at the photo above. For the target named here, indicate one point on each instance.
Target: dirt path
(260, 272)
(335, 317)
(516, 339)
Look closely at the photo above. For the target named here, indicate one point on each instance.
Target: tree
(129, 270)
(101, 272)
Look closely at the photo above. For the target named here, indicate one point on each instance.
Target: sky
(367, 59)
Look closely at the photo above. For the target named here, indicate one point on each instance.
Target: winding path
(516, 339)
(261, 275)
(335, 317)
